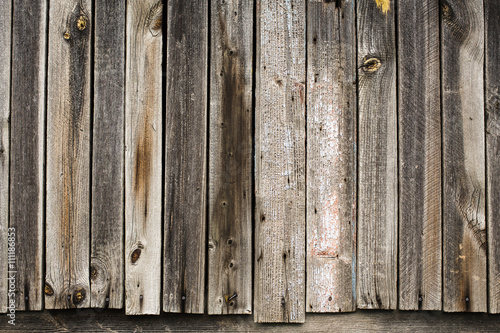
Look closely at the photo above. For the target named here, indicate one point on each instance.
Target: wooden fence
(267, 157)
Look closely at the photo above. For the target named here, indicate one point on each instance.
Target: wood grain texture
(5, 61)
(107, 238)
(68, 156)
(27, 158)
(279, 282)
(492, 88)
(90, 321)
(230, 160)
(143, 162)
(377, 190)
(331, 156)
(464, 223)
(186, 157)
(420, 239)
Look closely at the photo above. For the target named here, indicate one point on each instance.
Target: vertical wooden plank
(230, 160)
(331, 156)
(420, 238)
(280, 162)
(492, 21)
(106, 258)
(5, 54)
(464, 224)
(143, 167)
(68, 155)
(378, 194)
(186, 142)
(27, 157)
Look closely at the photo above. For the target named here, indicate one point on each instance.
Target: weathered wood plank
(464, 224)
(492, 88)
(5, 54)
(27, 158)
(377, 190)
(279, 294)
(331, 156)
(106, 258)
(186, 142)
(230, 160)
(420, 240)
(143, 162)
(90, 321)
(68, 155)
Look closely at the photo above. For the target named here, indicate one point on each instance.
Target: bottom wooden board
(95, 320)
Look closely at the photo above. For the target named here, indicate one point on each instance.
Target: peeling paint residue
(384, 5)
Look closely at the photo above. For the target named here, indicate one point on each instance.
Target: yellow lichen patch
(384, 5)
(81, 23)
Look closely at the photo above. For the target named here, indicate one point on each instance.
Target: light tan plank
(143, 164)
(68, 155)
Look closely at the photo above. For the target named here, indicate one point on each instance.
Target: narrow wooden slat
(377, 191)
(420, 238)
(5, 54)
(279, 284)
(186, 142)
(68, 155)
(143, 165)
(27, 157)
(331, 156)
(106, 272)
(492, 88)
(230, 174)
(464, 224)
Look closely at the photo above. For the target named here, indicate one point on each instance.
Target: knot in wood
(79, 296)
(371, 65)
(135, 255)
(81, 22)
(67, 35)
(48, 290)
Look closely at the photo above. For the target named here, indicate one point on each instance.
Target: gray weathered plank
(27, 158)
(420, 238)
(279, 284)
(377, 190)
(106, 257)
(230, 173)
(68, 155)
(464, 223)
(186, 142)
(143, 162)
(5, 54)
(492, 88)
(331, 156)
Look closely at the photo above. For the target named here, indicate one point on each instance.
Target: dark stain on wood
(142, 162)
(234, 161)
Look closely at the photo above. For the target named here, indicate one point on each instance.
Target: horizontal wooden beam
(94, 320)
